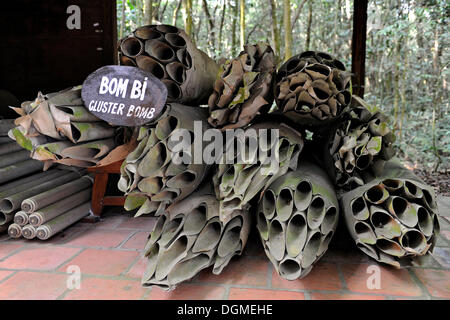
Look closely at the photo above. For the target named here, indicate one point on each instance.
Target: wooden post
(359, 45)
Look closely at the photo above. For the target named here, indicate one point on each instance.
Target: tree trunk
(297, 14)
(175, 13)
(222, 18)
(187, 4)
(122, 22)
(275, 32)
(148, 11)
(287, 30)
(308, 29)
(210, 25)
(242, 23)
(233, 29)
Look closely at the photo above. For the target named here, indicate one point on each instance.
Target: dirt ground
(439, 180)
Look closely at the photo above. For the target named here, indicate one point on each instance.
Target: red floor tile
(241, 270)
(139, 223)
(33, 286)
(437, 282)
(137, 241)
(110, 222)
(4, 274)
(7, 248)
(107, 289)
(102, 262)
(262, 294)
(323, 276)
(344, 296)
(39, 258)
(65, 236)
(100, 238)
(138, 268)
(188, 292)
(395, 282)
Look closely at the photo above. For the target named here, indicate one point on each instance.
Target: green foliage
(407, 55)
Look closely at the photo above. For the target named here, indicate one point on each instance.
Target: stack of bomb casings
(190, 237)
(393, 216)
(50, 206)
(57, 128)
(169, 54)
(244, 88)
(150, 176)
(297, 218)
(390, 213)
(313, 89)
(259, 159)
(359, 145)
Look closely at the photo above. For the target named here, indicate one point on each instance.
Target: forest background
(407, 55)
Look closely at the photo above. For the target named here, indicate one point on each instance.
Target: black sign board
(124, 96)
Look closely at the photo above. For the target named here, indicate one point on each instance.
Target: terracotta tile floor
(109, 256)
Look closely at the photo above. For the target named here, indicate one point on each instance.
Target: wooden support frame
(359, 46)
(99, 198)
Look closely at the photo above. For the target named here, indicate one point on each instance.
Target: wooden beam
(359, 45)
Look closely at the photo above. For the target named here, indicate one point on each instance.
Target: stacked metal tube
(57, 128)
(190, 237)
(296, 220)
(393, 217)
(238, 183)
(50, 206)
(313, 89)
(244, 88)
(15, 166)
(152, 176)
(169, 54)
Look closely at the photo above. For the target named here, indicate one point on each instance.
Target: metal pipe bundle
(169, 54)
(12, 202)
(190, 237)
(236, 184)
(313, 89)
(50, 228)
(244, 88)
(296, 220)
(152, 176)
(54, 209)
(393, 218)
(358, 146)
(57, 128)
(19, 185)
(46, 198)
(57, 208)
